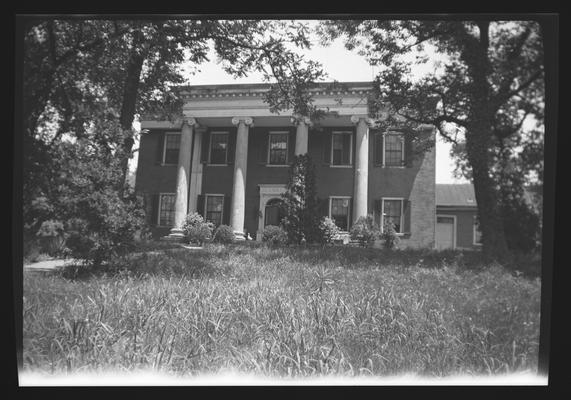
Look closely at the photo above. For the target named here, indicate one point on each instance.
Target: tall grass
(282, 312)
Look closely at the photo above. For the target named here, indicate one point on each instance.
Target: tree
(301, 205)
(87, 79)
(491, 82)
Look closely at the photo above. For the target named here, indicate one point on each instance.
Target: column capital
(247, 120)
(297, 119)
(190, 121)
(356, 118)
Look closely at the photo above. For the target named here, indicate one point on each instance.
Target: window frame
(402, 138)
(475, 228)
(350, 198)
(163, 162)
(206, 196)
(401, 222)
(211, 135)
(350, 164)
(160, 205)
(268, 159)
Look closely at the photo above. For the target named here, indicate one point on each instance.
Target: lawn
(277, 312)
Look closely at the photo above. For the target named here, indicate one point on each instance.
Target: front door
(445, 232)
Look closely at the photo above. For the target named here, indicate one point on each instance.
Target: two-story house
(229, 160)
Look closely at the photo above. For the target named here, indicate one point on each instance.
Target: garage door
(445, 227)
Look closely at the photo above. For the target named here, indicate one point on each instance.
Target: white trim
(454, 229)
(350, 165)
(350, 198)
(395, 133)
(270, 133)
(474, 229)
(382, 220)
(159, 209)
(165, 147)
(212, 133)
(206, 196)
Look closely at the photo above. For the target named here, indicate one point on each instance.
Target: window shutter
(226, 210)
(408, 156)
(326, 147)
(200, 205)
(160, 148)
(291, 146)
(324, 207)
(377, 211)
(231, 155)
(378, 150)
(154, 220)
(205, 147)
(350, 217)
(406, 205)
(263, 149)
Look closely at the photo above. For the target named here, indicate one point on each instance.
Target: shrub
(389, 236)
(224, 234)
(51, 237)
(274, 235)
(328, 230)
(364, 231)
(301, 205)
(196, 230)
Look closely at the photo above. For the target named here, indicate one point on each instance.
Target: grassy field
(284, 312)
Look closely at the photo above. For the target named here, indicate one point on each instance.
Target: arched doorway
(274, 212)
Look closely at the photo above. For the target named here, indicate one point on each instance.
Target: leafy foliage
(274, 235)
(224, 234)
(365, 231)
(301, 221)
(328, 230)
(196, 229)
(389, 236)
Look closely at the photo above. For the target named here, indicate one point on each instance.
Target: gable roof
(456, 195)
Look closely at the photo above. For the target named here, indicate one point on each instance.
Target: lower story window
(340, 212)
(392, 213)
(214, 207)
(166, 209)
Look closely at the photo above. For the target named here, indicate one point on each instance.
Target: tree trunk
(489, 215)
(130, 91)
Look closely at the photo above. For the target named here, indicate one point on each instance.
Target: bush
(364, 231)
(224, 234)
(196, 230)
(274, 235)
(389, 236)
(328, 230)
(51, 237)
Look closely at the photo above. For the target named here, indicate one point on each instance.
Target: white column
(240, 168)
(182, 179)
(360, 191)
(301, 134)
(196, 171)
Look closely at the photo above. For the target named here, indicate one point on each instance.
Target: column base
(239, 236)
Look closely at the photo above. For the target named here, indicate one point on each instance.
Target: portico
(239, 108)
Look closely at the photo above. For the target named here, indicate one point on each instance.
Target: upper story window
(341, 148)
(392, 213)
(214, 208)
(278, 148)
(218, 147)
(339, 212)
(393, 155)
(166, 209)
(171, 148)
